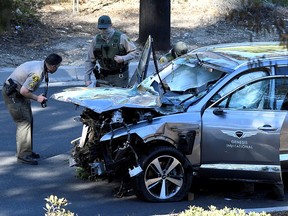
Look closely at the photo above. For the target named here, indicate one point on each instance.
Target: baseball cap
(53, 59)
(104, 22)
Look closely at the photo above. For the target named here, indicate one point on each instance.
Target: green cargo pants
(19, 108)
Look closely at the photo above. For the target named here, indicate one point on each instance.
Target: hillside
(69, 33)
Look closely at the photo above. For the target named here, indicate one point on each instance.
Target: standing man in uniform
(112, 50)
(17, 92)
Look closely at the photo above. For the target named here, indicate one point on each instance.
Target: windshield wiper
(156, 65)
(200, 62)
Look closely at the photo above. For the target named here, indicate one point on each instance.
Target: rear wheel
(166, 176)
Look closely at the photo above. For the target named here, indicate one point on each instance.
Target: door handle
(267, 128)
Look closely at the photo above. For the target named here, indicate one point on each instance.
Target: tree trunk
(5, 14)
(155, 21)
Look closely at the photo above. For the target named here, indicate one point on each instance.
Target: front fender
(169, 128)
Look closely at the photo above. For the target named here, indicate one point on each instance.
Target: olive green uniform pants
(19, 108)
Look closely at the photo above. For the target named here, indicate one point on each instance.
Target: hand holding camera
(44, 104)
(44, 101)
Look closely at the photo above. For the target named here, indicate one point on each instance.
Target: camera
(44, 104)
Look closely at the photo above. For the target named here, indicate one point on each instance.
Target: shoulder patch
(31, 85)
(35, 78)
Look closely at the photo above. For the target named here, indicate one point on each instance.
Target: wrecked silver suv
(219, 111)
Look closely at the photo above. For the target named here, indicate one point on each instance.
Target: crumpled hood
(102, 99)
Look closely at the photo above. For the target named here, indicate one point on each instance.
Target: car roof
(231, 55)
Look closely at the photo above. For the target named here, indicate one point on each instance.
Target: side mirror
(218, 111)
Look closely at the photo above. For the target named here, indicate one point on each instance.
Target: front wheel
(166, 176)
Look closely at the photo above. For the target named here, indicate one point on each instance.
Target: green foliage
(82, 173)
(260, 17)
(283, 3)
(55, 207)
(24, 12)
(18, 12)
(213, 211)
(254, 15)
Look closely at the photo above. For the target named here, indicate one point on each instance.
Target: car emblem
(239, 134)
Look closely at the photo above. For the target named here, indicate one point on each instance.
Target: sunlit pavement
(24, 187)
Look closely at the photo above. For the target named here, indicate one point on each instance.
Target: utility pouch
(97, 53)
(11, 88)
(96, 72)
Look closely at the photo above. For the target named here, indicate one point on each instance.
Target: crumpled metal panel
(168, 128)
(102, 99)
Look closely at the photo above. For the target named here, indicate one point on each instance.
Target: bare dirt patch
(69, 34)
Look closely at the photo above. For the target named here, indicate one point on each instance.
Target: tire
(155, 184)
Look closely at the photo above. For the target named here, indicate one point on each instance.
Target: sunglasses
(56, 66)
(102, 28)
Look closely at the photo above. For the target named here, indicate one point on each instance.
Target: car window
(267, 94)
(282, 70)
(241, 80)
(280, 101)
(248, 97)
(236, 82)
(188, 76)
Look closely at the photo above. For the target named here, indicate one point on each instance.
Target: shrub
(18, 12)
(55, 207)
(213, 211)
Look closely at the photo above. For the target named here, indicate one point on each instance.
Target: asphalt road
(23, 188)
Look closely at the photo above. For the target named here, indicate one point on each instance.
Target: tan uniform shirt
(29, 74)
(90, 62)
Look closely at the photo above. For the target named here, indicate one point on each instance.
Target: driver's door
(241, 132)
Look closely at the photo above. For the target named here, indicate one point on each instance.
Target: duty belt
(11, 92)
(113, 72)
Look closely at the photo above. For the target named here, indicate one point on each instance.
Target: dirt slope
(69, 33)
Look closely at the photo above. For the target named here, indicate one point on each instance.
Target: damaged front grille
(113, 156)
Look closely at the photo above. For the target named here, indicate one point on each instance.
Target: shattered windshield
(185, 75)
